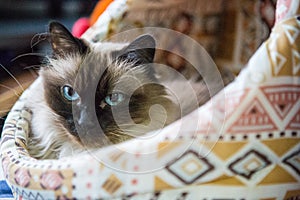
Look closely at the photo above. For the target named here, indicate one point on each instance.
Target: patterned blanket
(246, 144)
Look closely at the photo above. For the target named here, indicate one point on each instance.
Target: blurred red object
(80, 26)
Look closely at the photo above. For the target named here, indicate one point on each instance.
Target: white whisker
(32, 67)
(129, 129)
(40, 37)
(115, 134)
(12, 77)
(28, 54)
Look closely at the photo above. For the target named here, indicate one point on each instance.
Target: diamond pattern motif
(112, 184)
(190, 167)
(247, 165)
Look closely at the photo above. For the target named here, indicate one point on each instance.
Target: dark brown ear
(141, 50)
(63, 42)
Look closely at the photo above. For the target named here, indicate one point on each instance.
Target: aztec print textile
(246, 145)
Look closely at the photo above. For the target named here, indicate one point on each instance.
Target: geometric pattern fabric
(253, 152)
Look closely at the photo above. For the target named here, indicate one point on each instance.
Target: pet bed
(246, 146)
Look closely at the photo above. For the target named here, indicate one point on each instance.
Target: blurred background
(21, 22)
(23, 25)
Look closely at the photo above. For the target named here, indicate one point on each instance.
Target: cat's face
(104, 92)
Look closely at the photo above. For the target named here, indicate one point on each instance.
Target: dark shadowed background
(22, 24)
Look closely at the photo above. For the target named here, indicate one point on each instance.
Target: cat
(62, 105)
(92, 95)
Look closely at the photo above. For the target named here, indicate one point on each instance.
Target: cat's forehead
(98, 64)
(100, 54)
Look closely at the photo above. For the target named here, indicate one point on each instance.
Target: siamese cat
(95, 94)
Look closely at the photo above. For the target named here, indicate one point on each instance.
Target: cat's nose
(85, 117)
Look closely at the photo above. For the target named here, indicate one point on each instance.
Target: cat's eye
(114, 98)
(69, 93)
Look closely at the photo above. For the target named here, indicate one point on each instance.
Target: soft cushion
(245, 145)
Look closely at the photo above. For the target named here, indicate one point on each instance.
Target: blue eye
(69, 93)
(114, 99)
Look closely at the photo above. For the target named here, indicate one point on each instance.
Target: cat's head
(105, 92)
